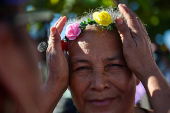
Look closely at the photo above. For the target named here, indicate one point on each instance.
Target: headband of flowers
(102, 18)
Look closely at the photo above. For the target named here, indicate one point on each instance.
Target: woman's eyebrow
(76, 60)
(110, 59)
(82, 61)
(117, 57)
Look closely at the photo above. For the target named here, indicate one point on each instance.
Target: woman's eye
(114, 65)
(81, 68)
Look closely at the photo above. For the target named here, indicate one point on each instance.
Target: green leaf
(84, 28)
(94, 22)
(88, 19)
(85, 22)
(103, 27)
(84, 25)
(110, 27)
(114, 26)
(90, 23)
(81, 23)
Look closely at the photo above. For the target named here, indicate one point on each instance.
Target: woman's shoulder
(142, 110)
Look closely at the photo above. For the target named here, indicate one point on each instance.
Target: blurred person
(20, 80)
(19, 74)
(105, 65)
(21, 87)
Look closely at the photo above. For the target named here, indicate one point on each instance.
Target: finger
(57, 21)
(61, 24)
(54, 40)
(123, 30)
(137, 18)
(142, 28)
(130, 17)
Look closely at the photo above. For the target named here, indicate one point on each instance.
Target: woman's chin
(101, 106)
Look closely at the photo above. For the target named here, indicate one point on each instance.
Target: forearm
(157, 89)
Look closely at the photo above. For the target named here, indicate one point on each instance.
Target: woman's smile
(101, 102)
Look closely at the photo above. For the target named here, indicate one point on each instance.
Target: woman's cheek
(119, 72)
(79, 78)
(120, 78)
(79, 83)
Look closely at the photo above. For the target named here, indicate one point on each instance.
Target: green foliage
(83, 25)
(113, 25)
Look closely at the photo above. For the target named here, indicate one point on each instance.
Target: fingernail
(119, 21)
(120, 5)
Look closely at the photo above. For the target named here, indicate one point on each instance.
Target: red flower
(64, 45)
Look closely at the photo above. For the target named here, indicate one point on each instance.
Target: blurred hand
(137, 48)
(19, 73)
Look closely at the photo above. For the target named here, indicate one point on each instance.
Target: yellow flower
(102, 18)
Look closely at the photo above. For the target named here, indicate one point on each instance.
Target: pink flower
(72, 31)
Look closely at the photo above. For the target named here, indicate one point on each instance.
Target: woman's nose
(99, 81)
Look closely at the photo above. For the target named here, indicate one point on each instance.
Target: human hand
(56, 61)
(137, 52)
(57, 73)
(137, 48)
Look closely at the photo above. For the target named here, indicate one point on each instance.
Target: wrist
(143, 73)
(57, 82)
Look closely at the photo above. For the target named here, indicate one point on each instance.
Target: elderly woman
(105, 63)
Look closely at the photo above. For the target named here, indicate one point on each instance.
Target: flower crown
(102, 18)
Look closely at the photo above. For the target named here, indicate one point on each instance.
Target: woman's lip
(103, 102)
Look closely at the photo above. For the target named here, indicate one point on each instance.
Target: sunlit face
(100, 81)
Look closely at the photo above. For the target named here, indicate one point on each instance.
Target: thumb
(55, 39)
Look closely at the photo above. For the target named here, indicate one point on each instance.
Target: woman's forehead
(96, 37)
(92, 43)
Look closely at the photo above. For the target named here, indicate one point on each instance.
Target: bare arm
(157, 89)
(138, 55)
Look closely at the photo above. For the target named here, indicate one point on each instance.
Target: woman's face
(100, 81)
